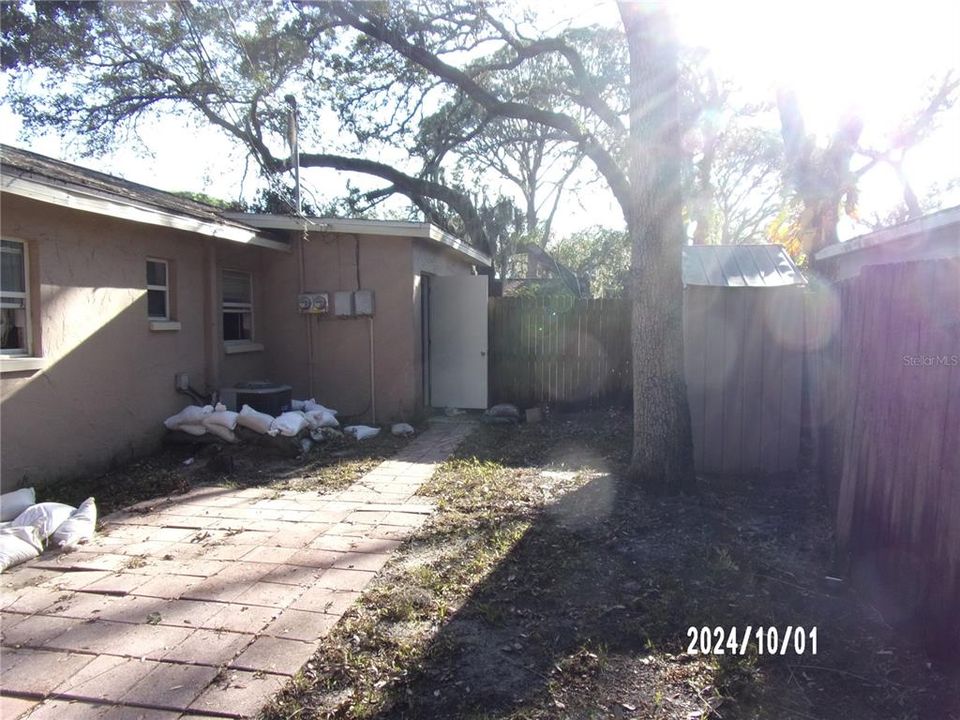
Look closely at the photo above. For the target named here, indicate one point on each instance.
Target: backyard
(544, 587)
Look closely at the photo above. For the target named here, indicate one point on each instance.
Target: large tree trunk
(663, 445)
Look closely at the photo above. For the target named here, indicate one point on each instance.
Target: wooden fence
(886, 411)
(743, 363)
(743, 351)
(559, 350)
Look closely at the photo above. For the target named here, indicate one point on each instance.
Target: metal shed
(743, 350)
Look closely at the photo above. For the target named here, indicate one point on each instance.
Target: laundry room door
(458, 341)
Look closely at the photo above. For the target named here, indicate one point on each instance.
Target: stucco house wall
(106, 378)
(341, 346)
(99, 376)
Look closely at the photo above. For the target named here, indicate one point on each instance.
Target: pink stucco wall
(341, 346)
(107, 380)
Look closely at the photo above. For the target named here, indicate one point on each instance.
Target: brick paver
(203, 604)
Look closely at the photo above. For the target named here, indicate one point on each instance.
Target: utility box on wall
(363, 302)
(343, 304)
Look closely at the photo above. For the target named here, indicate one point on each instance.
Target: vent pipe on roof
(293, 137)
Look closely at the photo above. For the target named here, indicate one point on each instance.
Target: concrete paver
(275, 655)
(38, 672)
(205, 602)
(12, 708)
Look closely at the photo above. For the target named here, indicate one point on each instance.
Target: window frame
(165, 288)
(237, 308)
(27, 305)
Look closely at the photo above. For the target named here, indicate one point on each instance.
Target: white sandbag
(17, 545)
(402, 429)
(79, 527)
(300, 404)
(361, 432)
(190, 415)
(320, 419)
(256, 421)
(192, 429)
(14, 503)
(505, 410)
(224, 418)
(288, 424)
(45, 517)
(312, 405)
(225, 434)
(222, 432)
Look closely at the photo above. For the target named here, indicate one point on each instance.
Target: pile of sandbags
(196, 420)
(306, 415)
(26, 526)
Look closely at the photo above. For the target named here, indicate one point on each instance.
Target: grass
(546, 587)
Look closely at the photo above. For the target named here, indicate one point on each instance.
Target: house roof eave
(392, 228)
(65, 195)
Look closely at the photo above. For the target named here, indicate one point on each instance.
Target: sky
(873, 58)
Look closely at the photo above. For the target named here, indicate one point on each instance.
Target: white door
(458, 341)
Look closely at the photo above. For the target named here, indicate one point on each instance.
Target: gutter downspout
(373, 384)
(211, 346)
(306, 316)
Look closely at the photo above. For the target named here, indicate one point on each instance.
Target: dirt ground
(546, 586)
(178, 466)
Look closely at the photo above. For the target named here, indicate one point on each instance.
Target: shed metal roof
(739, 266)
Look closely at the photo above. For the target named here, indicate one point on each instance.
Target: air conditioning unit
(313, 303)
(266, 397)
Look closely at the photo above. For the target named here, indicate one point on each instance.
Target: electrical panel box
(313, 303)
(343, 304)
(363, 302)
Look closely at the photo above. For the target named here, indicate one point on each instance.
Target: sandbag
(256, 421)
(223, 418)
(191, 429)
(79, 527)
(45, 517)
(14, 503)
(17, 545)
(221, 432)
(300, 404)
(504, 410)
(190, 415)
(361, 432)
(288, 424)
(320, 419)
(312, 405)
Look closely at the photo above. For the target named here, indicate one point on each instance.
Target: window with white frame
(237, 305)
(158, 289)
(14, 306)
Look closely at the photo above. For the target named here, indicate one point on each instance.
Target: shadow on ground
(587, 614)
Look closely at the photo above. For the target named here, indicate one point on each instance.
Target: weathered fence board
(744, 369)
(888, 426)
(559, 350)
(742, 362)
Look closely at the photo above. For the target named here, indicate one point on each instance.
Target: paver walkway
(203, 604)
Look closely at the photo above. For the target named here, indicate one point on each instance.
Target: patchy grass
(547, 587)
(329, 466)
